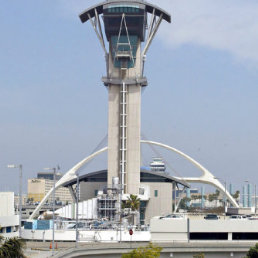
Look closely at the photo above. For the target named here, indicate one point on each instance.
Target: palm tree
(11, 248)
(133, 203)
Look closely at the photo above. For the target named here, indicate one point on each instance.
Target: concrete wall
(7, 221)
(86, 236)
(176, 229)
(113, 132)
(6, 204)
(133, 140)
(87, 189)
(160, 205)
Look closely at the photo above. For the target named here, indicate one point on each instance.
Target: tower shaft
(131, 135)
(124, 120)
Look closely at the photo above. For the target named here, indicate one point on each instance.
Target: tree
(184, 203)
(253, 252)
(11, 248)
(199, 256)
(133, 203)
(236, 195)
(217, 192)
(149, 251)
(212, 197)
(196, 196)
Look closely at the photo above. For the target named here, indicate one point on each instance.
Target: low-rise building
(155, 193)
(9, 222)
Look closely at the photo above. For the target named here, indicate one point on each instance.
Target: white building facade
(9, 222)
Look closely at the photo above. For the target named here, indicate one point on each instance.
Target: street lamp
(20, 194)
(77, 208)
(255, 199)
(53, 205)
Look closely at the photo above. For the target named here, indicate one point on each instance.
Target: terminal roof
(99, 7)
(146, 176)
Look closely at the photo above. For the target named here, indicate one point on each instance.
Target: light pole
(255, 199)
(225, 196)
(20, 194)
(77, 209)
(53, 205)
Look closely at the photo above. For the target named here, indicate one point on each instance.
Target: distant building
(180, 193)
(17, 200)
(9, 222)
(48, 175)
(38, 188)
(157, 165)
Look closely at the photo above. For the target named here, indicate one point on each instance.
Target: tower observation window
(133, 40)
(124, 9)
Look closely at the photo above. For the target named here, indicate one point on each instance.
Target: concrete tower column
(132, 122)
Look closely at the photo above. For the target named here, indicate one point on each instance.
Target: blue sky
(202, 94)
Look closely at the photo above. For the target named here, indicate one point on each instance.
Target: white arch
(206, 177)
(70, 175)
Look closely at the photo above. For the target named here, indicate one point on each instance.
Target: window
(96, 192)
(245, 236)
(209, 236)
(156, 193)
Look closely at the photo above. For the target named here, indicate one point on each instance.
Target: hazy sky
(202, 96)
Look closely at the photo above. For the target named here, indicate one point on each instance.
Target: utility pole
(53, 205)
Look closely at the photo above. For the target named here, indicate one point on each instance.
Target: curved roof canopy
(99, 8)
(146, 176)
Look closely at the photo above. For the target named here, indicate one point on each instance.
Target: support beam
(180, 199)
(72, 193)
(152, 35)
(97, 33)
(153, 17)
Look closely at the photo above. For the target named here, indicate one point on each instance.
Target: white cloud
(228, 25)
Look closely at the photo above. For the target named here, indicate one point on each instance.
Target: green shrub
(199, 256)
(150, 251)
(253, 252)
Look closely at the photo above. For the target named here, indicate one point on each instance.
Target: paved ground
(42, 249)
(114, 250)
(38, 254)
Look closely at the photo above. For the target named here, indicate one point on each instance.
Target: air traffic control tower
(130, 26)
